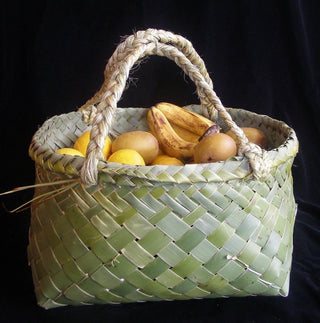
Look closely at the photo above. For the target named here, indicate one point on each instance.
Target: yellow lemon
(167, 160)
(82, 142)
(127, 156)
(69, 151)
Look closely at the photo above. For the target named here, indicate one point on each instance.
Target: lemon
(69, 151)
(82, 142)
(167, 160)
(127, 156)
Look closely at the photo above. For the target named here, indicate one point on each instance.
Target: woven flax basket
(112, 233)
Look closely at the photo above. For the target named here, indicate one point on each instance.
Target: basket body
(161, 232)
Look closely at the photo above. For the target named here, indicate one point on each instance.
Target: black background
(263, 56)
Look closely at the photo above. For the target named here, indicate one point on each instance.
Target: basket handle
(137, 46)
(137, 40)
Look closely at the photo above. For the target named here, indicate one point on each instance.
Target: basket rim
(45, 157)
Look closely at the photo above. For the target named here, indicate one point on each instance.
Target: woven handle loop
(178, 49)
(137, 40)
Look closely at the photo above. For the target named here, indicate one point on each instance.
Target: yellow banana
(184, 118)
(185, 134)
(169, 140)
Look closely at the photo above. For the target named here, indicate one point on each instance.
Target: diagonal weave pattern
(166, 233)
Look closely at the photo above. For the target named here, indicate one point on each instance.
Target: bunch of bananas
(177, 129)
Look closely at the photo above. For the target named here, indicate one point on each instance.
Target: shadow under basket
(151, 233)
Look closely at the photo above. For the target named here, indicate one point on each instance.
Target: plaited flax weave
(111, 233)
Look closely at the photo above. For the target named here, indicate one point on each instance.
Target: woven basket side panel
(117, 243)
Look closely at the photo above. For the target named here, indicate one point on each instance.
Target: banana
(169, 140)
(185, 118)
(185, 134)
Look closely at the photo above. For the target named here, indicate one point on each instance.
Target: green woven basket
(112, 233)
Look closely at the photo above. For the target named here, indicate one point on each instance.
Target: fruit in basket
(127, 156)
(82, 142)
(170, 142)
(185, 134)
(184, 118)
(167, 160)
(215, 147)
(254, 135)
(69, 151)
(160, 152)
(210, 131)
(145, 143)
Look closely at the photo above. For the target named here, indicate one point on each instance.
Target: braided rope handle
(117, 71)
(151, 36)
